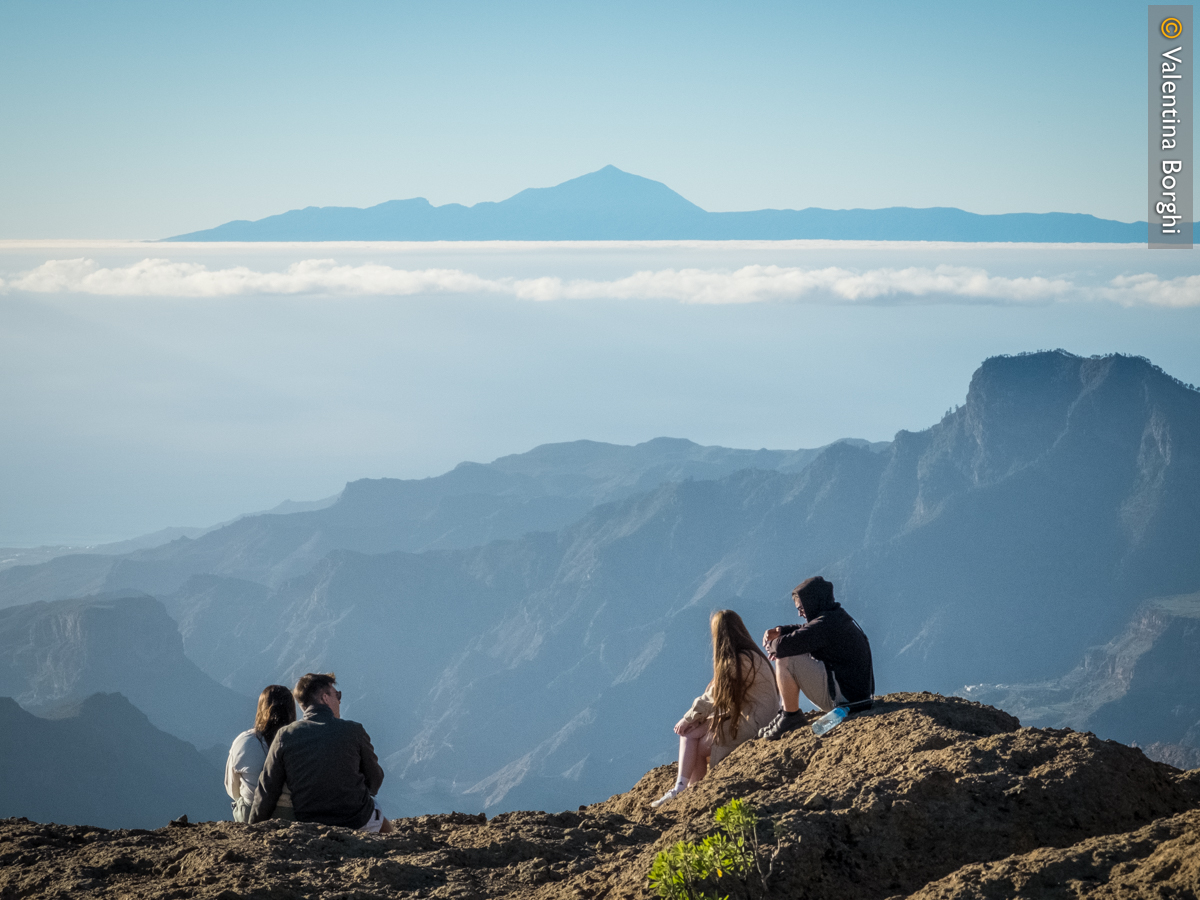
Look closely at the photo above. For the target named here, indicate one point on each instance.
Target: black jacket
(330, 766)
(832, 636)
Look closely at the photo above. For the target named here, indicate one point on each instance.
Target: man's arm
(802, 639)
(270, 785)
(369, 763)
(771, 638)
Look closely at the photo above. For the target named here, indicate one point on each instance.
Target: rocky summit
(924, 796)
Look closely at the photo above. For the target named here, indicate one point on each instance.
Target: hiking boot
(782, 724)
(762, 732)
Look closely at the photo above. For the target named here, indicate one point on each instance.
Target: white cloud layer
(749, 284)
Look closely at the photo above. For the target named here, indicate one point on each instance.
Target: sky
(144, 386)
(143, 120)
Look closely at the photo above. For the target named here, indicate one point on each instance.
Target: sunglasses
(338, 694)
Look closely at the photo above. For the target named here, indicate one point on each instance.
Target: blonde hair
(733, 672)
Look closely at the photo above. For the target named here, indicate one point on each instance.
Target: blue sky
(134, 119)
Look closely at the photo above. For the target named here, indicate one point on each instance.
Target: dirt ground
(924, 796)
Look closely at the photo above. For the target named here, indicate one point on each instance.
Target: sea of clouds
(160, 277)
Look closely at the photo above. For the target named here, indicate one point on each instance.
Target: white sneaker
(669, 795)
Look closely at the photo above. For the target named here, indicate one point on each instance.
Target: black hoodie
(832, 636)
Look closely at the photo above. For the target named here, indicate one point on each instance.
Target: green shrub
(696, 870)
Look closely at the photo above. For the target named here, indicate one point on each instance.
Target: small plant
(739, 821)
(695, 870)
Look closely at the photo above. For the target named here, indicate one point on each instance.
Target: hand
(683, 727)
(770, 639)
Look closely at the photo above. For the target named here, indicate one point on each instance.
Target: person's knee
(386, 827)
(784, 676)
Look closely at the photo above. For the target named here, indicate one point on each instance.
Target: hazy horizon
(221, 379)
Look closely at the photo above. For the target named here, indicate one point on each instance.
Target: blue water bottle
(829, 720)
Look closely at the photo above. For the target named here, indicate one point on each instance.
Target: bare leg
(700, 769)
(796, 675)
(789, 691)
(694, 751)
(387, 827)
(689, 750)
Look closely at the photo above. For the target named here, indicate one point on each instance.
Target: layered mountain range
(523, 634)
(611, 205)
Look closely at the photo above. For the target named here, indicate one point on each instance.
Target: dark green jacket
(330, 766)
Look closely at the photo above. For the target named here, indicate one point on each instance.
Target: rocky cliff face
(923, 796)
(59, 653)
(1140, 687)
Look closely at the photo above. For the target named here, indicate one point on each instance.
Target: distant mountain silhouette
(101, 762)
(612, 205)
(56, 654)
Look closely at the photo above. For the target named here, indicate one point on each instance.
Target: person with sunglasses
(327, 762)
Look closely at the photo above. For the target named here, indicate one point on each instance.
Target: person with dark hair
(828, 658)
(738, 701)
(327, 762)
(276, 708)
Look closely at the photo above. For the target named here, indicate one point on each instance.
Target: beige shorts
(814, 680)
(375, 822)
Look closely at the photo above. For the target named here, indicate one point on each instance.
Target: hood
(816, 597)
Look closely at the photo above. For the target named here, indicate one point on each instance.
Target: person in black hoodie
(828, 658)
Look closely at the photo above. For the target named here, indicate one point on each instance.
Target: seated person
(276, 708)
(738, 701)
(327, 761)
(828, 658)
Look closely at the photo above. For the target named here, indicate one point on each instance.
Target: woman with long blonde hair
(740, 699)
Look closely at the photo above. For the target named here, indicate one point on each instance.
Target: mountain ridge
(610, 204)
(542, 489)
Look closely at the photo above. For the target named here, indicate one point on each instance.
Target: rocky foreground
(924, 796)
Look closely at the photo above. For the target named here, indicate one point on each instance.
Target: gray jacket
(330, 767)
